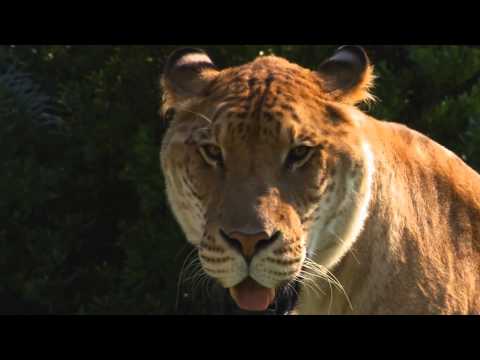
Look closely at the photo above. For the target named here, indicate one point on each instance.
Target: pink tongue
(250, 295)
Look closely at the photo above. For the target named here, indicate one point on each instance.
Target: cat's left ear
(348, 75)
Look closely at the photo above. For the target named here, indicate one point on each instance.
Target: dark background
(84, 223)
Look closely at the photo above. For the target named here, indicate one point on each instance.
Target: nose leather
(248, 241)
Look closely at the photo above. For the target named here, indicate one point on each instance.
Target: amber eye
(212, 153)
(299, 155)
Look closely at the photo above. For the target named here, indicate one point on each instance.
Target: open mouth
(250, 295)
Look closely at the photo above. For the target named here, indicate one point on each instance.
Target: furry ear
(186, 74)
(348, 75)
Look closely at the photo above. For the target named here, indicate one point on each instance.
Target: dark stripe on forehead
(288, 97)
(269, 80)
(262, 99)
(252, 95)
(291, 111)
(271, 100)
(252, 81)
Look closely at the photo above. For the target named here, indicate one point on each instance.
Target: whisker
(312, 287)
(336, 281)
(183, 271)
(196, 271)
(308, 280)
(210, 285)
(199, 281)
(291, 289)
(194, 268)
(323, 273)
(330, 304)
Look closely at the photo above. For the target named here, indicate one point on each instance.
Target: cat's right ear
(186, 75)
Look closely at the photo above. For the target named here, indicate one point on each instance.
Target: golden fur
(378, 220)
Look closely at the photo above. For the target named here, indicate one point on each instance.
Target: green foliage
(85, 223)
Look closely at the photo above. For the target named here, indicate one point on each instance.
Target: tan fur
(392, 215)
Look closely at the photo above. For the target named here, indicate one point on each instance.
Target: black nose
(249, 244)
